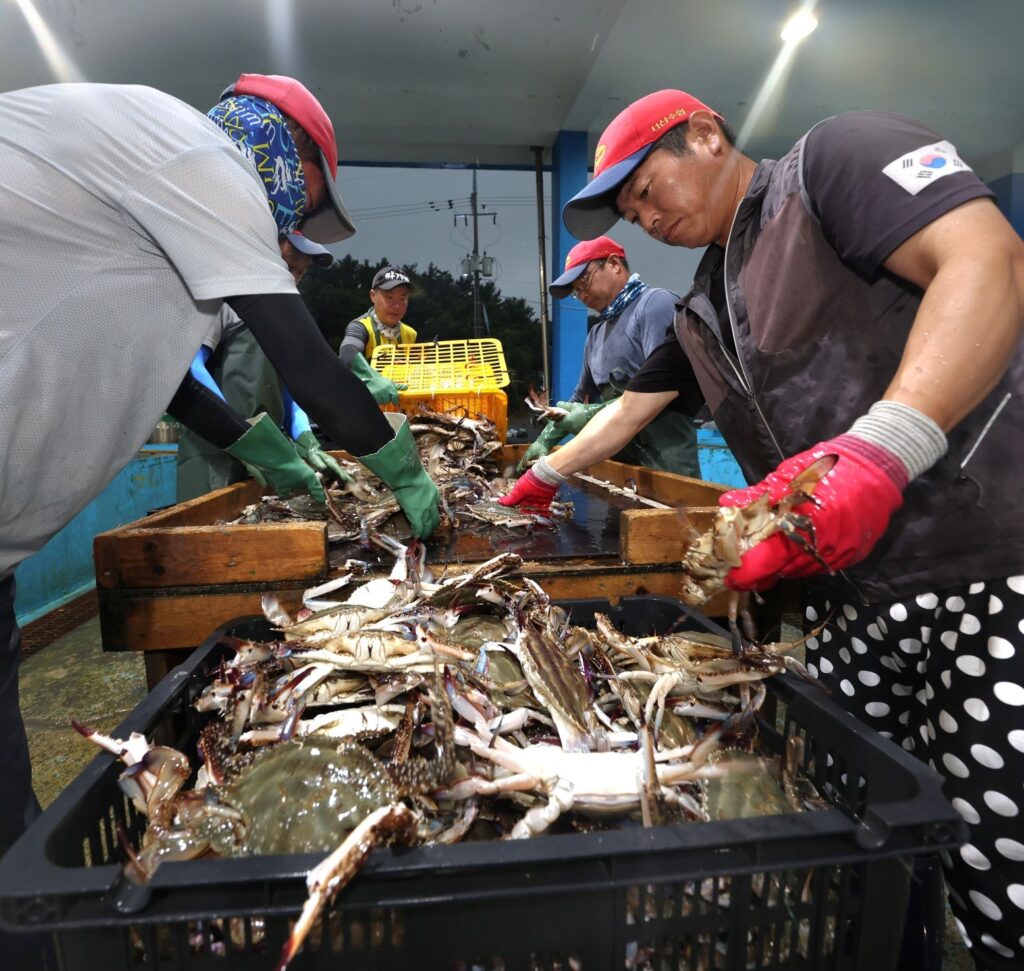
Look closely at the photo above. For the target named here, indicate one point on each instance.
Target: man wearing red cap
(640, 423)
(129, 219)
(862, 299)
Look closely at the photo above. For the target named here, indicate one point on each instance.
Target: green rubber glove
(579, 415)
(554, 431)
(272, 460)
(398, 464)
(548, 438)
(384, 390)
(318, 460)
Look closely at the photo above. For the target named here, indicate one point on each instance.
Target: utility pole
(475, 265)
(478, 330)
(538, 160)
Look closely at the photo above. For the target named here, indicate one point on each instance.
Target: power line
(446, 205)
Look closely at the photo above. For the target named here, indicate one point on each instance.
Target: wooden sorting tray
(166, 581)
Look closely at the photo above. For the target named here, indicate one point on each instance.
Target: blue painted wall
(716, 461)
(569, 316)
(63, 568)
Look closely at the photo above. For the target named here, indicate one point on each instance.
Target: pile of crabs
(462, 454)
(466, 706)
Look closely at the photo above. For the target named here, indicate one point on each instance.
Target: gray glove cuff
(906, 432)
(543, 470)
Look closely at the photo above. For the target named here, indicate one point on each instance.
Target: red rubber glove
(850, 510)
(530, 493)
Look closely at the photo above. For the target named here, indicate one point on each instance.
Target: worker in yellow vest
(381, 324)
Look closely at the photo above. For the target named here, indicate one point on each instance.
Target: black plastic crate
(814, 890)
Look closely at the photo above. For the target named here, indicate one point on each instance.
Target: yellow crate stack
(460, 377)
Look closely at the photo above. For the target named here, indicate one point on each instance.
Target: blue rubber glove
(306, 443)
(202, 375)
(295, 420)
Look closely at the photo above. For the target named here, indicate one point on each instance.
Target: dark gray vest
(816, 345)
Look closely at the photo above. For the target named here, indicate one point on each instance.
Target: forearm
(610, 430)
(346, 354)
(353, 342)
(348, 351)
(327, 390)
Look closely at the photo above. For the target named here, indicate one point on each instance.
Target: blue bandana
(261, 135)
(633, 288)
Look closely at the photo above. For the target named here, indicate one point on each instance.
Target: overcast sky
(403, 215)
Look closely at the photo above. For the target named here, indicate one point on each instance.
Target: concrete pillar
(569, 163)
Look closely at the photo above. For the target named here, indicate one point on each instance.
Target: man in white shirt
(129, 219)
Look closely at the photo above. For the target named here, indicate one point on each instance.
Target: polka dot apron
(942, 675)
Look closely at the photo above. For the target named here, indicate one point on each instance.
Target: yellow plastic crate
(492, 405)
(444, 367)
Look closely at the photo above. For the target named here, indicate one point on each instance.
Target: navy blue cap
(321, 256)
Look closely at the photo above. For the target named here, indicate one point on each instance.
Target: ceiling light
(799, 25)
(60, 63)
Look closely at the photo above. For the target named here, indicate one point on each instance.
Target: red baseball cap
(330, 223)
(579, 259)
(625, 143)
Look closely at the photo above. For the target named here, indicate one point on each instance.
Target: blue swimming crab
(737, 529)
(299, 796)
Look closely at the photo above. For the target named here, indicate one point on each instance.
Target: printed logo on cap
(680, 115)
(393, 275)
(599, 156)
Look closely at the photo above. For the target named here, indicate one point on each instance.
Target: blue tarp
(63, 568)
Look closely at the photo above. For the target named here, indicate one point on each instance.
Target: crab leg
(334, 872)
(477, 786)
(540, 818)
(461, 826)
(648, 787)
(734, 630)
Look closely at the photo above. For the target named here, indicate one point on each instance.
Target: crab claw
(131, 751)
(274, 612)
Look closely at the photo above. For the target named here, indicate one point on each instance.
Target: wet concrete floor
(74, 678)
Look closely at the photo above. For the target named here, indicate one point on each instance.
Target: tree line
(441, 308)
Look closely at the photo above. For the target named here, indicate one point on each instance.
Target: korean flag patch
(925, 165)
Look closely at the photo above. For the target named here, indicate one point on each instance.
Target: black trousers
(18, 806)
(942, 675)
